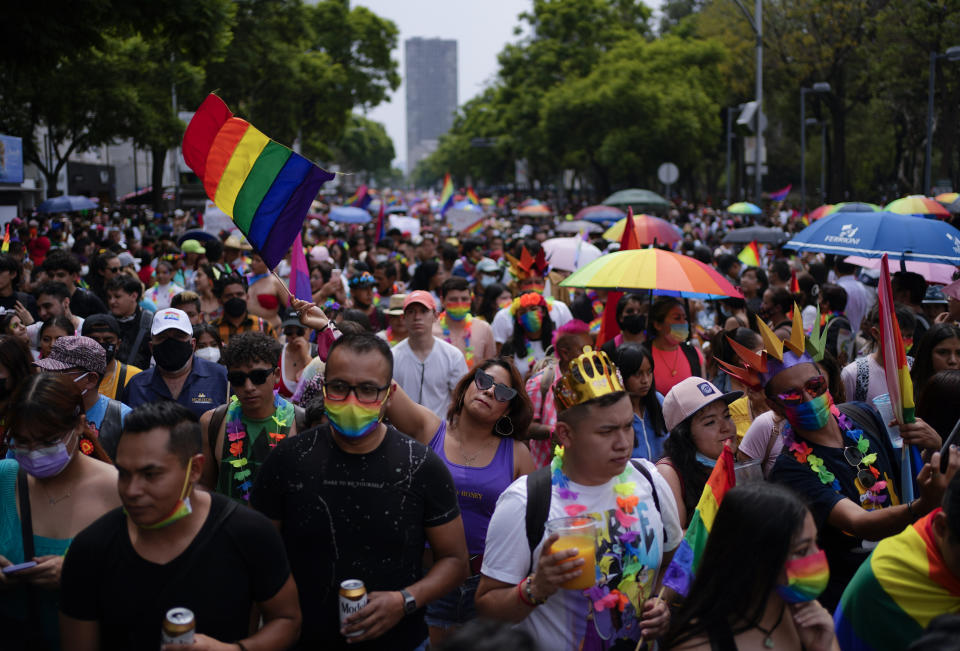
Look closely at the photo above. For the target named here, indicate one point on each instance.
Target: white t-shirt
(430, 382)
(503, 320)
(757, 437)
(876, 379)
(561, 622)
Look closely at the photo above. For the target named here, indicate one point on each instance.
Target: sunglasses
(501, 392)
(258, 376)
(854, 457)
(814, 387)
(294, 332)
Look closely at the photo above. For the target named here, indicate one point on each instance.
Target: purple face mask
(44, 462)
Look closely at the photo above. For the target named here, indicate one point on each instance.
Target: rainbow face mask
(807, 578)
(531, 321)
(458, 311)
(182, 508)
(811, 415)
(679, 332)
(352, 418)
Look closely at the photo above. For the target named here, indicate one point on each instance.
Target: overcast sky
(481, 29)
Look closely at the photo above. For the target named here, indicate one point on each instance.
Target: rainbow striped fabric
(263, 186)
(6, 239)
(474, 228)
(680, 574)
(750, 255)
(359, 199)
(896, 592)
(780, 194)
(472, 197)
(446, 195)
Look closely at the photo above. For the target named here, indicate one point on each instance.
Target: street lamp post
(730, 137)
(819, 88)
(952, 54)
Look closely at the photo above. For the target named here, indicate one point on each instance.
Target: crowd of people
(444, 422)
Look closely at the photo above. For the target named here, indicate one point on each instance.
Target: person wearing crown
(839, 458)
(591, 478)
(530, 272)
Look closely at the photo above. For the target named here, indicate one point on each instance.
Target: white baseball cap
(689, 396)
(171, 318)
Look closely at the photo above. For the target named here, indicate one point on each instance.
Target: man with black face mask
(180, 376)
(632, 319)
(231, 291)
(105, 330)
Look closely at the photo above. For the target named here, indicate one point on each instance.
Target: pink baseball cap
(421, 297)
(689, 396)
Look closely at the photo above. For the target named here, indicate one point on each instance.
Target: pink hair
(574, 327)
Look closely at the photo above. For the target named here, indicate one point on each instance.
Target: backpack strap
(653, 491)
(300, 418)
(213, 431)
(692, 359)
(121, 378)
(538, 507)
(545, 383)
(110, 427)
(146, 320)
(863, 379)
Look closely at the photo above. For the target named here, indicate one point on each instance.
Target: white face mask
(80, 377)
(211, 354)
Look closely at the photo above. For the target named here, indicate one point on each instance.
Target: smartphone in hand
(13, 569)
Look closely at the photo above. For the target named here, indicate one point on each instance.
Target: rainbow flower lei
(467, 347)
(237, 439)
(870, 498)
(629, 590)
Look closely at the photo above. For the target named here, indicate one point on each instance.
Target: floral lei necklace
(870, 498)
(629, 589)
(467, 348)
(237, 438)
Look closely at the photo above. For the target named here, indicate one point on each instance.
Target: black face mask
(235, 307)
(110, 350)
(633, 323)
(172, 354)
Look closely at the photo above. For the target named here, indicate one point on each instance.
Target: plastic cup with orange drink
(580, 533)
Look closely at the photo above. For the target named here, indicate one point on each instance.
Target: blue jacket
(647, 445)
(204, 389)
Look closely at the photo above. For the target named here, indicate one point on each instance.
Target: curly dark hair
(251, 347)
(225, 280)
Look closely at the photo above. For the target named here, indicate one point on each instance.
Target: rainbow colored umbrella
(663, 272)
(919, 205)
(947, 197)
(821, 212)
(744, 208)
(537, 210)
(648, 230)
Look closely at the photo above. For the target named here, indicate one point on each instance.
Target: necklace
(54, 502)
(237, 441)
(768, 640)
(467, 348)
(676, 360)
(470, 459)
(629, 583)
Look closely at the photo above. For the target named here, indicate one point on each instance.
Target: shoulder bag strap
(692, 359)
(653, 490)
(538, 507)
(863, 379)
(146, 319)
(26, 520)
(545, 383)
(121, 379)
(300, 418)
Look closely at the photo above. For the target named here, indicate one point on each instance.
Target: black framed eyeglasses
(501, 391)
(258, 376)
(366, 393)
(854, 457)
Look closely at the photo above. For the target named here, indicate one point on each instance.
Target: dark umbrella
(761, 234)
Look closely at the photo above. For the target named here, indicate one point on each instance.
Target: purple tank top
(477, 488)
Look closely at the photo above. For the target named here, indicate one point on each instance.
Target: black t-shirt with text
(354, 516)
(224, 571)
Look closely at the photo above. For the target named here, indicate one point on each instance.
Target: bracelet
(913, 516)
(523, 597)
(529, 590)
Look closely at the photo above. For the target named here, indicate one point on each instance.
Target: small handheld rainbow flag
(474, 228)
(299, 271)
(750, 255)
(446, 195)
(381, 221)
(781, 194)
(5, 247)
(472, 197)
(682, 570)
(264, 187)
(359, 199)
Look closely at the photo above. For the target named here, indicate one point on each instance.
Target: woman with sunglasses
(479, 442)
(66, 490)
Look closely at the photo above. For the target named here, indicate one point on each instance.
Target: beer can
(178, 626)
(353, 597)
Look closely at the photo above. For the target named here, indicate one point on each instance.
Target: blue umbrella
(67, 203)
(871, 234)
(349, 215)
(606, 215)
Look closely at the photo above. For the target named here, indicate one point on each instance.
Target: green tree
(365, 149)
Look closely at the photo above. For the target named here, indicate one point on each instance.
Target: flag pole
(284, 285)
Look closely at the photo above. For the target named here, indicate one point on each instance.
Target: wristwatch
(409, 603)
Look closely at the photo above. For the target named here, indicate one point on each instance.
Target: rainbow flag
(299, 272)
(474, 228)
(359, 199)
(897, 372)
(750, 255)
(896, 592)
(608, 323)
(680, 574)
(264, 187)
(446, 195)
(472, 197)
(780, 195)
(6, 239)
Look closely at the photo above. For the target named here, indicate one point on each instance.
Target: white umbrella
(569, 253)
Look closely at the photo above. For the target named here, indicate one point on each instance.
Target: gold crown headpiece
(591, 375)
(759, 368)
